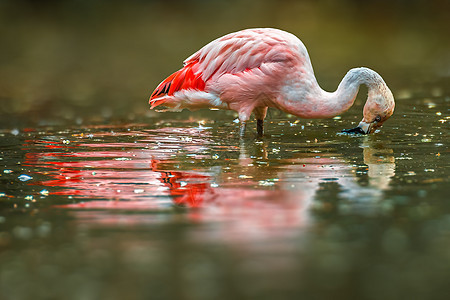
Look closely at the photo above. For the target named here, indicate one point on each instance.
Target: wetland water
(118, 211)
(101, 198)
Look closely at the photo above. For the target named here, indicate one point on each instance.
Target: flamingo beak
(362, 128)
(366, 128)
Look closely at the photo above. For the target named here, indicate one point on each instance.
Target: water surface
(180, 207)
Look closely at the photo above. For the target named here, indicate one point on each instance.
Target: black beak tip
(356, 130)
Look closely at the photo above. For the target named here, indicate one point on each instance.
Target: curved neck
(314, 102)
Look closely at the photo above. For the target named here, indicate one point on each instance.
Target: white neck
(307, 99)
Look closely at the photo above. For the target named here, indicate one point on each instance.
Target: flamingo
(250, 70)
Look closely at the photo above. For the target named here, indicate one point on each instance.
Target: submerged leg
(242, 129)
(260, 127)
(260, 114)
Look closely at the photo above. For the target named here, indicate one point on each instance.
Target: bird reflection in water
(247, 195)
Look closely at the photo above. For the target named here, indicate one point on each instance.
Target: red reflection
(138, 178)
(144, 176)
(129, 172)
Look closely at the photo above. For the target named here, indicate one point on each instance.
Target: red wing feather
(182, 79)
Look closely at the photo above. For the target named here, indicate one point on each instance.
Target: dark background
(96, 60)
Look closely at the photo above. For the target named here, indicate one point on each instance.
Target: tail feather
(182, 79)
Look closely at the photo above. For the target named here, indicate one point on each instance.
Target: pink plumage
(253, 69)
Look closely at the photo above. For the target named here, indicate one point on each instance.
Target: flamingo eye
(377, 119)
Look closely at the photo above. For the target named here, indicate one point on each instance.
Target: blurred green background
(373, 211)
(96, 60)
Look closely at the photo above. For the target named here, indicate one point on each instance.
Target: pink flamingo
(253, 69)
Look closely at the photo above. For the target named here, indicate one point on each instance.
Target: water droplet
(24, 233)
(422, 193)
(436, 92)
(44, 229)
(266, 183)
(7, 171)
(44, 192)
(15, 131)
(24, 177)
(138, 191)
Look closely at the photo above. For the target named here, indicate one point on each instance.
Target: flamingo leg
(260, 127)
(260, 114)
(242, 129)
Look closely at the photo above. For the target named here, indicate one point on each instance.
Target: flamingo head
(378, 108)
